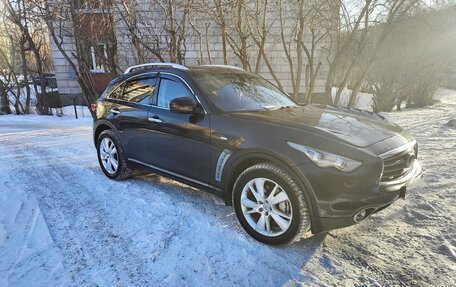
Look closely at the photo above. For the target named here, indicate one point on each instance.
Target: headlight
(325, 159)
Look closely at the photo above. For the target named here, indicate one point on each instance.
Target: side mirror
(185, 105)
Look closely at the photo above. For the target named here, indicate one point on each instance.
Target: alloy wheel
(108, 155)
(266, 207)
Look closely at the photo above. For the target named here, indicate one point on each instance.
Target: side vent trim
(223, 158)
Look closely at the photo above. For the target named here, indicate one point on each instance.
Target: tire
(285, 218)
(122, 171)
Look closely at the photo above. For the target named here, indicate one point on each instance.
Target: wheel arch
(100, 127)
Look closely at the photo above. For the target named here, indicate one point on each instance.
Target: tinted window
(115, 93)
(169, 90)
(140, 90)
(232, 92)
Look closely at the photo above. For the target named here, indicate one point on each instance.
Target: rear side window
(117, 93)
(139, 90)
(111, 89)
(169, 90)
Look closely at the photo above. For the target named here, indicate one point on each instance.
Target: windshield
(235, 92)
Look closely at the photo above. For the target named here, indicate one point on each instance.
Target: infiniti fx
(287, 169)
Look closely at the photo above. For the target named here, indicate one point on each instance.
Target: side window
(116, 93)
(140, 90)
(169, 90)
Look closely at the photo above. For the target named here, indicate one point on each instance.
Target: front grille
(398, 164)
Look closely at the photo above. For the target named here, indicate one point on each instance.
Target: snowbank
(28, 254)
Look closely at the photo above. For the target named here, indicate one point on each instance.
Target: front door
(181, 142)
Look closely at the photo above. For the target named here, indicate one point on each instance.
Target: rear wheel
(111, 157)
(270, 205)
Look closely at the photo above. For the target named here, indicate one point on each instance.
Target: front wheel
(270, 205)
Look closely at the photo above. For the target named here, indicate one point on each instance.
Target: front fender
(241, 160)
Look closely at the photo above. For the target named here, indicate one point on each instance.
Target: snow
(62, 222)
(363, 100)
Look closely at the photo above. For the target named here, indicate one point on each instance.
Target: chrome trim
(115, 112)
(175, 174)
(156, 73)
(399, 149)
(172, 65)
(154, 120)
(223, 158)
(224, 66)
(161, 108)
(405, 180)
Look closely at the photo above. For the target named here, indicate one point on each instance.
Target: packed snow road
(62, 222)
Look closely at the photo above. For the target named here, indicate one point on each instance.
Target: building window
(99, 57)
(96, 56)
(91, 4)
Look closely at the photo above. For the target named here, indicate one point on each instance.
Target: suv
(286, 168)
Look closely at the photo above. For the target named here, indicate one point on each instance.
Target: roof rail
(172, 65)
(223, 66)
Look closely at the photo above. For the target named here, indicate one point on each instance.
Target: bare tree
(261, 20)
(21, 15)
(58, 18)
(4, 101)
(141, 39)
(160, 29)
(320, 21)
(360, 36)
(11, 85)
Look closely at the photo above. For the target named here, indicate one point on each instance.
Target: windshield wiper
(280, 108)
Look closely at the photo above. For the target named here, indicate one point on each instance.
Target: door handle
(115, 111)
(155, 119)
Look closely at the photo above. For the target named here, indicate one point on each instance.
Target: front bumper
(340, 197)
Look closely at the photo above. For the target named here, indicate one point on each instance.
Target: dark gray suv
(287, 169)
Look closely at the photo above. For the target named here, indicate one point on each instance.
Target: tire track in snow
(64, 212)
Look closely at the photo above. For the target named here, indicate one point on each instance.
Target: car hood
(356, 127)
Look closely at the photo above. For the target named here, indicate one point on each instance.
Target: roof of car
(134, 70)
(179, 71)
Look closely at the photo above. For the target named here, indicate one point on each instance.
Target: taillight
(93, 107)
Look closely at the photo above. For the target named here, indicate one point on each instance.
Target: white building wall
(150, 21)
(65, 76)
(149, 26)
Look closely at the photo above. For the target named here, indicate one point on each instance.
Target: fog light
(360, 216)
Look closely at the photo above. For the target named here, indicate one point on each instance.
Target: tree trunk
(299, 51)
(26, 81)
(358, 85)
(5, 105)
(221, 16)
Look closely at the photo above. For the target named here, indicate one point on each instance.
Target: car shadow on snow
(203, 223)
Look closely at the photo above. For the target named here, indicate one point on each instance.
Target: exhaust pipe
(360, 215)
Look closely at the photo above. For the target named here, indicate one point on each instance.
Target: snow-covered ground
(62, 222)
(363, 100)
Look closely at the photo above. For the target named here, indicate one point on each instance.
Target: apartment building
(110, 36)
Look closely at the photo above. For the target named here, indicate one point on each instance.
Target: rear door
(181, 142)
(130, 114)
